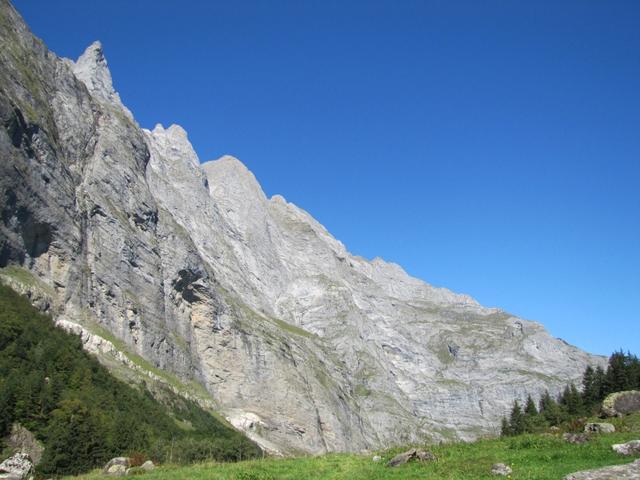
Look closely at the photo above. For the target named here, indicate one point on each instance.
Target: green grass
(189, 387)
(291, 328)
(532, 457)
(25, 278)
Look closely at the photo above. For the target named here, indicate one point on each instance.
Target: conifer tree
(505, 428)
(530, 407)
(532, 419)
(599, 380)
(617, 378)
(550, 410)
(516, 419)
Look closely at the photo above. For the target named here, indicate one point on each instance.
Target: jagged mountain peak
(92, 69)
(173, 142)
(231, 182)
(173, 130)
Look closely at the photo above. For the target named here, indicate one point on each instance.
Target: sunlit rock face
(124, 233)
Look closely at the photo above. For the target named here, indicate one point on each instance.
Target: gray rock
(621, 403)
(501, 469)
(630, 471)
(629, 448)
(412, 454)
(16, 467)
(148, 465)
(116, 471)
(376, 458)
(22, 440)
(576, 438)
(122, 233)
(425, 456)
(116, 466)
(402, 458)
(601, 427)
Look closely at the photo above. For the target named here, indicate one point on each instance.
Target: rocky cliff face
(188, 273)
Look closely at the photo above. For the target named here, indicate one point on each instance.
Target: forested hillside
(84, 415)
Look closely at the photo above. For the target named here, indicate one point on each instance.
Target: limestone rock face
(189, 271)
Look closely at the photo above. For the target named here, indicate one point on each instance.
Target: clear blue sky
(490, 147)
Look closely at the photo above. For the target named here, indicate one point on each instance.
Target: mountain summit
(186, 273)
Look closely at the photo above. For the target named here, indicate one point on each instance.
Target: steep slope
(189, 271)
(85, 416)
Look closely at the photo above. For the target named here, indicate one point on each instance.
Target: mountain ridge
(301, 345)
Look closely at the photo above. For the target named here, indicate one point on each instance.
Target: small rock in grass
(629, 448)
(116, 470)
(376, 458)
(412, 454)
(501, 469)
(402, 458)
(576, 438)
(425, 456)
(599, 428)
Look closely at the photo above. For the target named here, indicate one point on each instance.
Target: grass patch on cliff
(189, 388)
(532, 457)
(25, 278)
(292, 328)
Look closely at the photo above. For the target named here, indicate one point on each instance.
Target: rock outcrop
(22, 440)
(189, 271)
(16, 467)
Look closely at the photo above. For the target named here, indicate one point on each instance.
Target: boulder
(22, 440)
(619, 472)
(599, 428)
(621, 403)
(16, 467)
(412, 454)
(135, 471)
(425, 456)
(148, 465)
(116, 470)
(117, 467)
(576, 438)
(629, 448)
(501, 469)
(402, 458)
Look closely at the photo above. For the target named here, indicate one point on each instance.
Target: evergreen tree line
(85, 416)
(622, 373)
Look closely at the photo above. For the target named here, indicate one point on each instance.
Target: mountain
(186, 273)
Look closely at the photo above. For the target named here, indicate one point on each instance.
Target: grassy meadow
(532, 457)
